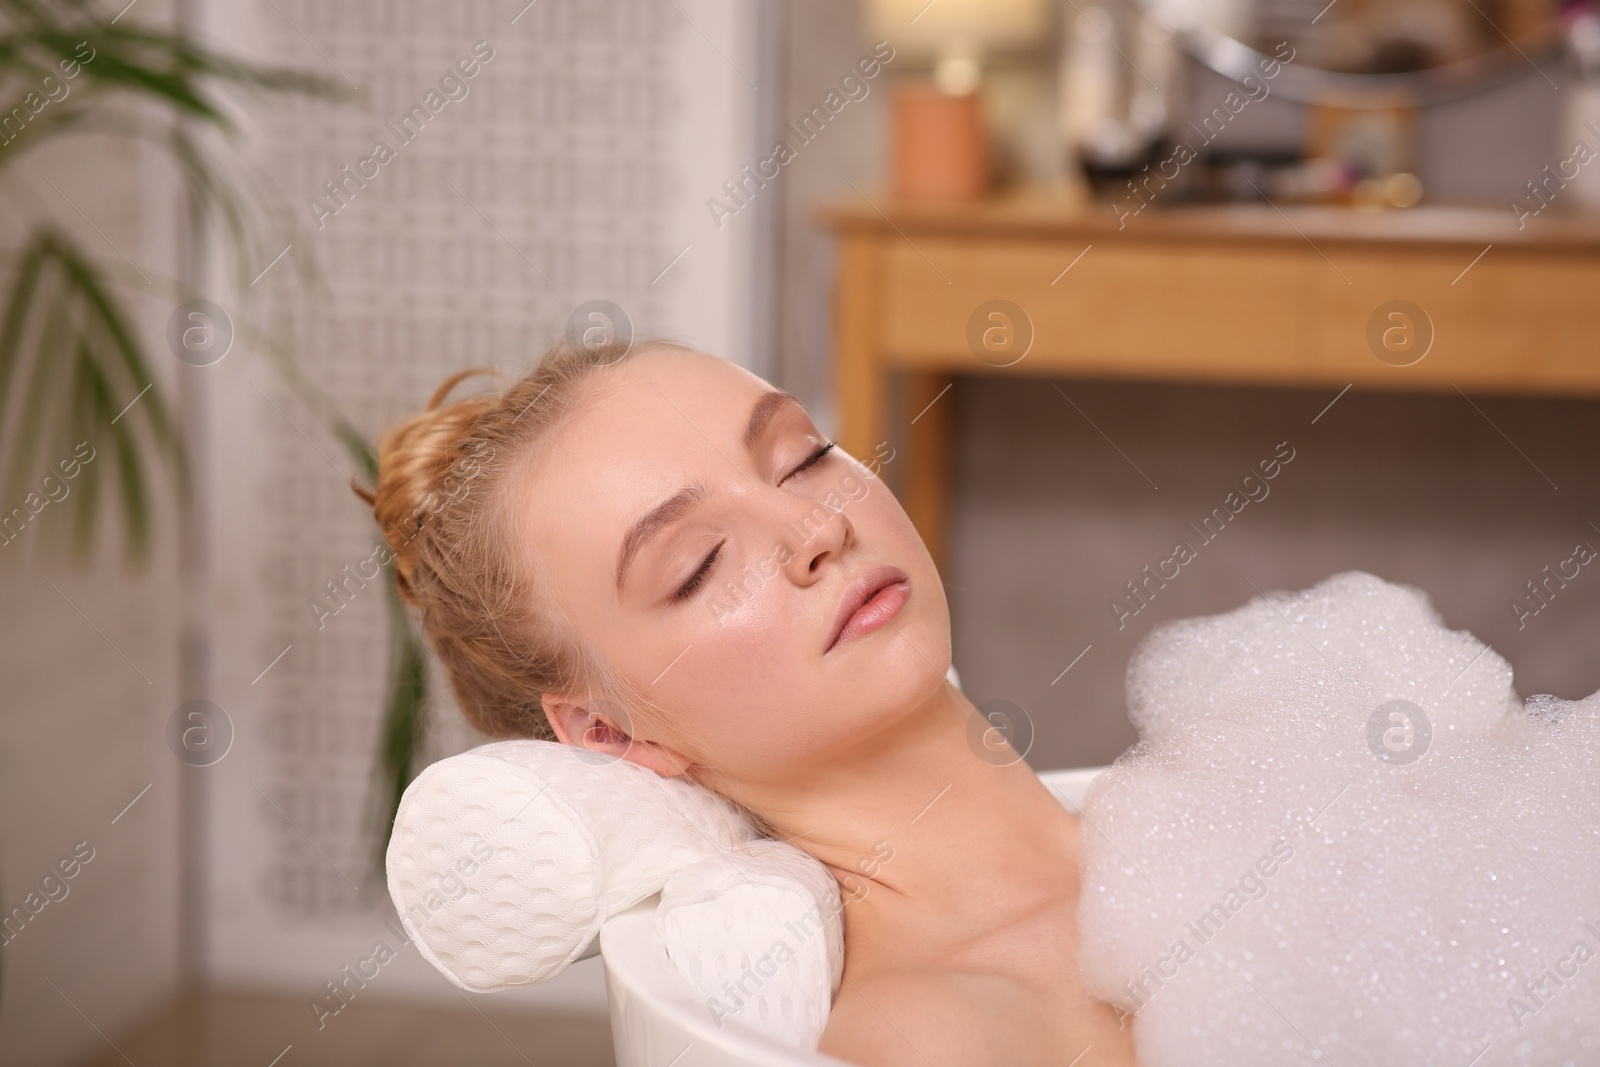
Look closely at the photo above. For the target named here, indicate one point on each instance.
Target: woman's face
(727, 603)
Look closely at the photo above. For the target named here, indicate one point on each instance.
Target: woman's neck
(935, 829)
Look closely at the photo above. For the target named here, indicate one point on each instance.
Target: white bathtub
(657, 1022)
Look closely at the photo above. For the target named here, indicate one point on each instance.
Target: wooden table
(1245, 294)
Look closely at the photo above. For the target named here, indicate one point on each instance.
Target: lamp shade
(926, 29)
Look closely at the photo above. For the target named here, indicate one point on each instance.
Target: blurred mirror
(1424, 49)
(1362, 74)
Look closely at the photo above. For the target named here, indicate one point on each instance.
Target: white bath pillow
(506, 860)
(757, 937)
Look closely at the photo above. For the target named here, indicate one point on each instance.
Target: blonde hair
(483, 605)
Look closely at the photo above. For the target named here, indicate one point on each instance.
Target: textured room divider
(500, 165)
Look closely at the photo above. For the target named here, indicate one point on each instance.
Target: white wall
(90, 663)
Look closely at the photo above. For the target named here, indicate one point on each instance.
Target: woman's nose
(812, 535)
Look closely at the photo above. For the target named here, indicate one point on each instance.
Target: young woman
(656, 555)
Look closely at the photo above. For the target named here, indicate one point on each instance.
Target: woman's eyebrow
(762, 414)
(679, 504)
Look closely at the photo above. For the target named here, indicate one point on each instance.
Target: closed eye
(687, 589)
(696, 579)
(815, 457)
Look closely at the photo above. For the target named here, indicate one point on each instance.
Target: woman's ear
(600, 727)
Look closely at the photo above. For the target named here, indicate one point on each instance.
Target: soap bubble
(1263, 890)
(1399, 732)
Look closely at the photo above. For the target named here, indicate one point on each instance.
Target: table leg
(920, 455)
(930, 405)
(860, 388)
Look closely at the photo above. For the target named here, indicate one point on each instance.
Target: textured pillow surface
(505, 860)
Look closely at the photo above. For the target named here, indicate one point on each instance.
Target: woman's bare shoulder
(913, 1018)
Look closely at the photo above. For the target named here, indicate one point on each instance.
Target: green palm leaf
(71, 360)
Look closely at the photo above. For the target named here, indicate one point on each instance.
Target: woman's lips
(882, 605)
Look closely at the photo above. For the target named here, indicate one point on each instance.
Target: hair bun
(415, 457)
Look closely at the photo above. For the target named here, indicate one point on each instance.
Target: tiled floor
(248, 1030)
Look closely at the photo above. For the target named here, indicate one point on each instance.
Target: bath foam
(1282, 871)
